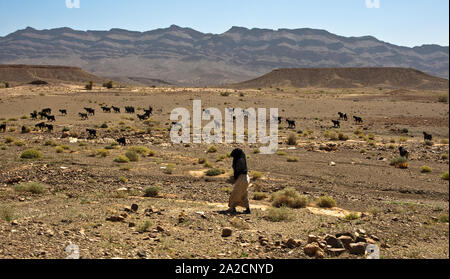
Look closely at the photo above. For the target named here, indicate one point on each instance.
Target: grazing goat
(47, 111)
(51, 118)
(41, 125)
(42, 115)
(24, 130)
(90, 111)
(116, 109)
(83, 116)
(343, 116)
(291, 123)
(34, 115)
(106, 109)
(63, 111)
(358, 119)
(143, 116)
(49, 127)
(92, 133)
(336, 123)
(122, 141)
(130, 110)
(3, 127)
(403, 152)
(427, 136)
(149, 111)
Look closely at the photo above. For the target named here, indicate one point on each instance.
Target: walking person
(239, 196)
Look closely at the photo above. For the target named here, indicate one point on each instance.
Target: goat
(42, 115)
(51, 118)
(358, 119)
(34, 115)
(63, 111)
(49, 127)
(41, 125)
(47, 111)
(291, 123)
(403, 152)
(143, 117)
(92, 133)
(90, 111)
(427, 136)
(336, 123)
(130, 110)
(3, 127)
(122, 141)
(106, 109)
(116, 109)
(83, 115)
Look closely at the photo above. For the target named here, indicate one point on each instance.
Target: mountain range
(184, 56)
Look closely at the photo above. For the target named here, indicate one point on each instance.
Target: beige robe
(239, 196)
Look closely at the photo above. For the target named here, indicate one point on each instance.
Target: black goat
(106, 109)
(427, 136)
(116, 109)
(122, 141)
(41, 125)
(34, 115)
(90, 111)
(49, 127)
(336, 123)
(92, 133)
(403, 152)
(358, 119)
(51, 118)
(47, 111)
(3, 127)
(291, 123)
(83, 115)
(63, 111)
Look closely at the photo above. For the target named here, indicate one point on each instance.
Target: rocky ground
(100, 205)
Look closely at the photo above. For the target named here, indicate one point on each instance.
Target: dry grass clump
(292, 139)
(30, 187)
(151, 191)
(426, 169)
(122, 159)
(282, 214)
(289, 197)
(326, 202)
(258, 196)
(31, 154)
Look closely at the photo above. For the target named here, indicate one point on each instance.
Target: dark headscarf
(239, 162)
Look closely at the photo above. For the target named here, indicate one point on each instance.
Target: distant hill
(347, 78)
(187, 57)
(21, 74)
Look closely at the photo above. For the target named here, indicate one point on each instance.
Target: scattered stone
(358, 248)
(292, 243)
(115, 219)
(142, 254)
(346, 241)
(227, 232)
(131, 225)
(320, 254)
(333, 242)
(160, 229)
(134, 207)
(312, 238)
(335, 252)
(311, 249)
(333, 164)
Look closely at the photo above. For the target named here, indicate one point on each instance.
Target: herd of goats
(47, 114)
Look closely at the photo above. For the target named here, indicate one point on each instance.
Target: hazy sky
(402, 22)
